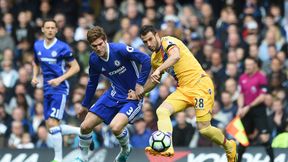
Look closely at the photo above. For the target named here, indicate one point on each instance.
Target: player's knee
(85, 128)
(52, 123)
(202, 125)
(163, 112)
(204, 129)
(116, 128)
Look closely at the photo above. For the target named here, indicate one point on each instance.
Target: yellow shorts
(200, 96)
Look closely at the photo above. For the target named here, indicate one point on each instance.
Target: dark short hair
(256, 61)
(146, 29)
(49, 20)
(95, 33)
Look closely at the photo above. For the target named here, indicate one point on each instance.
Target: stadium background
(220, 33)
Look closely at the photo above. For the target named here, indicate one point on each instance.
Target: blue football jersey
(121, 68)
(52, 60)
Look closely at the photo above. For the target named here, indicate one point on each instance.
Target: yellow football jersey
(187, 71)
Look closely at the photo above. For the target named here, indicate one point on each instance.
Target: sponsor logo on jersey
(120, 70)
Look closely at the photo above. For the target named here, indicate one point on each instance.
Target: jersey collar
(108, 51)
(52, 44)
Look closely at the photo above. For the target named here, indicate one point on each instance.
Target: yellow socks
(216, 136)
(164, 122)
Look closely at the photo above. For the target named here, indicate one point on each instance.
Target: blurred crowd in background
(220, 34)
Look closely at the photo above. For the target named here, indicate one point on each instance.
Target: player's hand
(34, 81)
(243, 111)
(139, 91)
(81, 113)
(155, 76)
(131, 95)
(54, 82)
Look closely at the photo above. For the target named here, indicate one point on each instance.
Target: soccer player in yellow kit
(194, 88)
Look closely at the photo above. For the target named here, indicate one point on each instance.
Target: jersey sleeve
(35, 55)
(167, 44)
(92, 84)
(67, 53)
(139, 57)
(263, 84)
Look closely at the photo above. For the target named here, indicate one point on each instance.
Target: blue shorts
(107, 108)
(54, 105)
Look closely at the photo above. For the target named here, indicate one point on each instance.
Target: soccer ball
(159, 141)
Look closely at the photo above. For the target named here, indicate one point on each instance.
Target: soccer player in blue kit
(52, 55)
(118, 63)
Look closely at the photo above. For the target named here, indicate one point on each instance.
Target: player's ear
(42, 29)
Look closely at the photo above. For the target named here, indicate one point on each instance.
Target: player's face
(99, 46)
(150, 41)
(49, 30)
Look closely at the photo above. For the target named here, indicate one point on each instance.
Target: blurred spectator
(232, 87)
(136, 40)
(209, 38)
(60, 19)
(125, 25)
(8, 21)
(42, 137)
(16, 135)
(6, 39)
(23, 30)
(279, 118)
(149, 118)
(217, 69)
(142, 134)
(207, 13)
(5, 123)
(276, 76)
(133, 13)
(110, 22)
(9, 75)
(227, 111)
(163, 94)
(83, 54)
(38, 117)
(69, 8)
(25, 142)
(270, 39)
(153, 17)
(25, 79)
(68, 36)
(82, 29)
(21, 98)
(182, 131)
(169, 27)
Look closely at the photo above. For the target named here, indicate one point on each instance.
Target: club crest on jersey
(129, 49)
(53, 53)
(117, 63)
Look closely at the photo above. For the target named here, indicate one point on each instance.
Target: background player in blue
(118, 63)
(51, 55)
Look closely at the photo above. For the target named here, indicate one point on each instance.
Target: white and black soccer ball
(159, 141)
